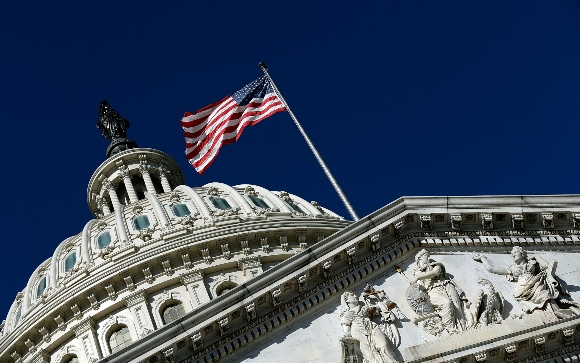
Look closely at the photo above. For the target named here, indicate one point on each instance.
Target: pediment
(296, 310)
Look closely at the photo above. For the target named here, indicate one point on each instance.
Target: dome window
(173, 312)
(18, 314)
(220, 203)
(180, 210)
(296, 207)
(41, 287)
(119, 339)
(70, 261)
(104, 240)
(259, 202)
(141, 222)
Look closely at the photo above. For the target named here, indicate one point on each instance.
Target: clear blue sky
(400, 97)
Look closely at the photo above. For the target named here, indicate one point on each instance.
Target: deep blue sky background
(400, 97)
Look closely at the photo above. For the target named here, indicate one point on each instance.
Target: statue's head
(422, 257)
(351, 300)
(104, 107)
(519, 254)
(485, 283)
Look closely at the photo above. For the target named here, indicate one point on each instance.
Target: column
(193, 281)
(164, 181)
(144, 170)
(119, 218)
(137, 304)
(87, 338)
(128, 185)
(112, 193)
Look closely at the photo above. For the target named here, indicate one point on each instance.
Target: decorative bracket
(548, 220)
(518, 221)
(425, 222)
(456, 222)
(486, 221)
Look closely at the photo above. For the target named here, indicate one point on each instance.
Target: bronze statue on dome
(114, 127)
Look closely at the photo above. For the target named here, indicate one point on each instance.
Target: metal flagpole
(314, 151)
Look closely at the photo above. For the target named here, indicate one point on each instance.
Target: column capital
(107, 184)
(162, 170)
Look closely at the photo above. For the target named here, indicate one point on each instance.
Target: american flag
(222, 122)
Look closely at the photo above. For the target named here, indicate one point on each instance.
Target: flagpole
(314, 151)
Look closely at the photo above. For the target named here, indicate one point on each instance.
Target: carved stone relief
(436, 298)
(368, 327)
(537, 288)
(488, 305)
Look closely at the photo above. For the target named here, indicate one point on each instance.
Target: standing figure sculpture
(537, 286)
(355, 318)
(114, 128)
(446, 297)
(113, 125)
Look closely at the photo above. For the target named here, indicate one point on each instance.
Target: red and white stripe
(222, 123)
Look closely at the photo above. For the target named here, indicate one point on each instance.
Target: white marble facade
(316, 338)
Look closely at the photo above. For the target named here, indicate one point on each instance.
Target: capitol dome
(156, 251)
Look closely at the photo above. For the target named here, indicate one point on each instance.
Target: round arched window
(72, 360)
(104, 240)
(120, 339)
(173, 312)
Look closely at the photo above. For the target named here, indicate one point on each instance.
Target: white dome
(152, 239)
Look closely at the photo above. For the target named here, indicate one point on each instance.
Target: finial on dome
(114, 127)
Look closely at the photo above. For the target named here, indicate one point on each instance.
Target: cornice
(399, 236)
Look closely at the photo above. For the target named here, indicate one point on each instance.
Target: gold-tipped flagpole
(314, 151)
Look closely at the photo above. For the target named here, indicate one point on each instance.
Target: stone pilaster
(193, 281)
(87, 339)
(137, 304)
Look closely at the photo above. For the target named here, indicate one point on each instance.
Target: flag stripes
(223, 122)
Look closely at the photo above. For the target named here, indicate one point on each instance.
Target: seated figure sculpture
(537, 286)
(445, 296)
